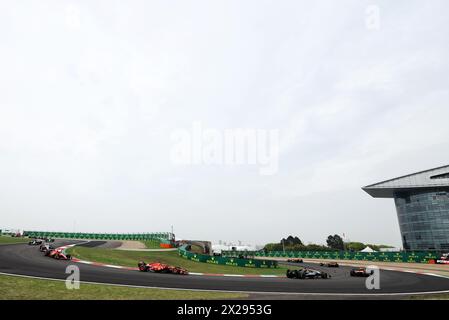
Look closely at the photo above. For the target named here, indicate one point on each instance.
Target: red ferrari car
(160, 268)
(58, 254)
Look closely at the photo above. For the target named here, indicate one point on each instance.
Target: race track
(22, 259)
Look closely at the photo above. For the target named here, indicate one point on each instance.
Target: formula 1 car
(295, 260)
(160, 268)
(45, 247)
(444, 259)
(330, 264)
(35, 242)
(307, 273)
(360, 272)
(58, 254)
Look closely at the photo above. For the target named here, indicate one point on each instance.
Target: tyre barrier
(236, 262)
(412, 257)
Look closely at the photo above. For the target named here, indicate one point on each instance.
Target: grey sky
(91, 91)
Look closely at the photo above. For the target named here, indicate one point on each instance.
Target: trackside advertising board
(416, 257)
(161, 236)
(249, 263)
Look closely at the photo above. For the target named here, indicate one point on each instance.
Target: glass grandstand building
(422, 205)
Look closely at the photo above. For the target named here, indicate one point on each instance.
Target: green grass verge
(443, 296)
(131, 258)
(151, 244)
(10, 240)
(20, 288)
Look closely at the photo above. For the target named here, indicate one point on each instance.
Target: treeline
(357, 246)
(334, 243)
(302, 247)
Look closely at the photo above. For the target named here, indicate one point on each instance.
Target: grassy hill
(10, 240)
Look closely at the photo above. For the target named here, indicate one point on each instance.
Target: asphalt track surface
(22, 259)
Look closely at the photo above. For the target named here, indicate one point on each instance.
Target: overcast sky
(92, 91)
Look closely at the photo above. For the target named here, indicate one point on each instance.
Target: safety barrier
(416, 257)
(157, 236)
(236, 262)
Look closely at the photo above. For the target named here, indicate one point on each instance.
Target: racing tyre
(142, 266)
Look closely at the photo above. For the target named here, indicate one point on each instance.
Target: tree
(355, 246)
(335, 242)
(291, 241)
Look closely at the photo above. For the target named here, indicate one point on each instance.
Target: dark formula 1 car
(330, 264)
(160, 268)
(360, 272)
(295, 260)
(58, 254)
(36, 242)
(307, 273)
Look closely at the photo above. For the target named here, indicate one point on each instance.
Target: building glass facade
(424, 219)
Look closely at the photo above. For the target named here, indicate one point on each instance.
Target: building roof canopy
(433, 178)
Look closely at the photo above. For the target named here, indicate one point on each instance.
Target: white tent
(367, 249)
